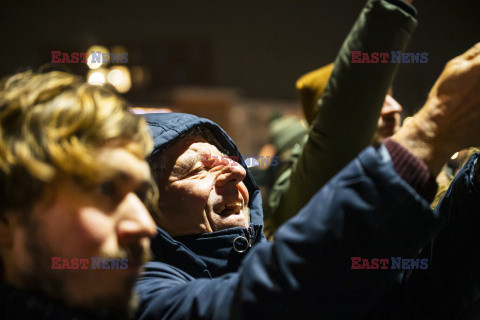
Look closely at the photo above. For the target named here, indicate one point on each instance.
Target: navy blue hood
(166, 128)
(209, 254)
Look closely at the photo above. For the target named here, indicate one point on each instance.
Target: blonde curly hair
(51, 124)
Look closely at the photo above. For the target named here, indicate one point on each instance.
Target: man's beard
(40, 278)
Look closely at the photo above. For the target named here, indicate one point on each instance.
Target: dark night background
(260, 47)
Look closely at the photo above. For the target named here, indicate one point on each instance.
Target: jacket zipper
(250, 236)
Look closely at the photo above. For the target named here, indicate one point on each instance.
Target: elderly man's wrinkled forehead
(178, 149)
(196, 135)
(201, 137)
(200, 133)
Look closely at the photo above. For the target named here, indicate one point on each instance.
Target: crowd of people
(109, 215)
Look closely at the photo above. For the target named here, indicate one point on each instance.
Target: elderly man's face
(203, 192)
(73, 222)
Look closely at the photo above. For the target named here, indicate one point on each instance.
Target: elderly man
(213, 261)
(74, 231)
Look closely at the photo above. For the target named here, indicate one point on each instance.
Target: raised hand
(450, 119)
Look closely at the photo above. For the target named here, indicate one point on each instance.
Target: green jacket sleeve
(349, 109)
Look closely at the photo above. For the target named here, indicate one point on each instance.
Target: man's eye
(143, 194)
(107, 188)
(196, 171)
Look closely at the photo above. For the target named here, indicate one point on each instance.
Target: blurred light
(304, 123)
(455, 155)
(115, 77)
(119, 77)
(140, 76)
(97, 64)
(96, 77)
(118, 49)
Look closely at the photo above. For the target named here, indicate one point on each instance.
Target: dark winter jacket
(450, 287)
(367, 210)
(455, 252)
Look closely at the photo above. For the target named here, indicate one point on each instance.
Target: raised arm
(367, 210)
(348, 112)
(370, 209)
(447, 123)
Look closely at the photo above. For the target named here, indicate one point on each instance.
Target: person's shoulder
(163, 271)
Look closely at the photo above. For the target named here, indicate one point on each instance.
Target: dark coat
(450, 288)
(455, 251)
(366, 210)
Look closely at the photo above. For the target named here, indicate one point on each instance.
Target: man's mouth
(231, 207)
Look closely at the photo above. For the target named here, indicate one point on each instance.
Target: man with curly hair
(74, 230)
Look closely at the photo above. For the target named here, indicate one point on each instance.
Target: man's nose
(232, 172)
(136, 221)
(390, 105)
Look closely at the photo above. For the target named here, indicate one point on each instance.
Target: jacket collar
(207, 255)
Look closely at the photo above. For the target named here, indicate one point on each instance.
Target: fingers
(470, 54)
(463, 71)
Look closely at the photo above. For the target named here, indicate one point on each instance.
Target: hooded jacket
(367, 210)
(216, 253)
